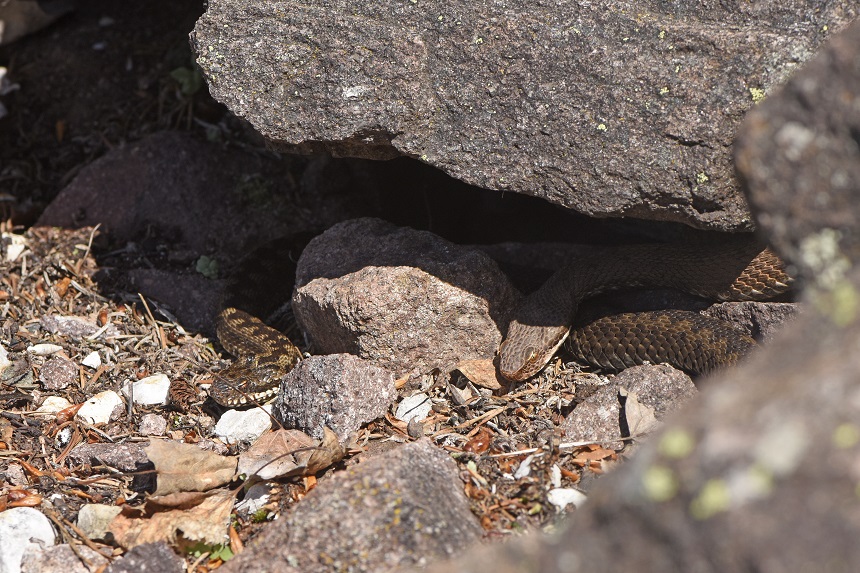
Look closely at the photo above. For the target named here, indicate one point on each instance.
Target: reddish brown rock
(406, 300)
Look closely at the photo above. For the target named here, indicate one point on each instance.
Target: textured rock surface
(761, 320)
(600, 416)
(62, 558)
(735, 462)
(340, 391)
(156, 557)
(406, 300)
(373, 517)
(610, 107)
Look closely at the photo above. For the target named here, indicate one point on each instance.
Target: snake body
(734, 268)
(264, 356)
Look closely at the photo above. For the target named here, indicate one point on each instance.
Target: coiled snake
(734, 268)
(729, 269)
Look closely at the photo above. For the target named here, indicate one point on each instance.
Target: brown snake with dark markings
(734, 268)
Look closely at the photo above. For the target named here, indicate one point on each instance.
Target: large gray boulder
(612, 107)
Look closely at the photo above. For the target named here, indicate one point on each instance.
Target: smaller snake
(264, 356)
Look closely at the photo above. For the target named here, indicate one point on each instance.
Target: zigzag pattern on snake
(735, 268)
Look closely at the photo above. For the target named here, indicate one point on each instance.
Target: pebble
(94, 519)
(52, 405)
(148, 391)
(19, 528)
(63, 558)
(92, 360)
(98, 409)
(44, 349)
(243, 425)
(561, 497)
(415, 407)
(152, 425)
(4, 359)
(58, 373)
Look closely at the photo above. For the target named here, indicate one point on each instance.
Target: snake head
(518, 362)
(527, 349)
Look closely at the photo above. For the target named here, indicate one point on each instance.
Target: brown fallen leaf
(480, 443)
(277, 454)
(592, 453)
(481, 373)
(205, 522)
(185, 467)
(285, 453)
(327, 453)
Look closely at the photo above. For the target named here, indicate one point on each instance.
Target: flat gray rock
(403, 508)
(340, 391)
(406, 300)
(612, 108)
(601, 417)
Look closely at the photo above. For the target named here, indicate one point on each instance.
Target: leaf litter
(515, 463)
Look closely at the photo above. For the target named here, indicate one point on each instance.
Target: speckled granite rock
(613, 107)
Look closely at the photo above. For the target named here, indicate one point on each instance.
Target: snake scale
(734, 268)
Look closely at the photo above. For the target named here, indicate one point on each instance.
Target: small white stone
(525, 468)
(150, 390)
(94, 519)
(14, 251)
(243, 425)
(256, 497)
(555, 475)
(97, 410)
(44, 349)
(52, 405)
(19, 528)
(413, 407)
(92, 360)
(4, 359)
(561, 497)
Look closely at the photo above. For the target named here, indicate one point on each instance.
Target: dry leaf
(481, 373)
(205, 522)
(277, 454)
(6, 431)
(185, 467)
(480, 443)
(592, 452)
(329, 452)
(287, 453)
(640, 418)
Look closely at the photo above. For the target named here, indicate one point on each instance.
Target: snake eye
(532, 353)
